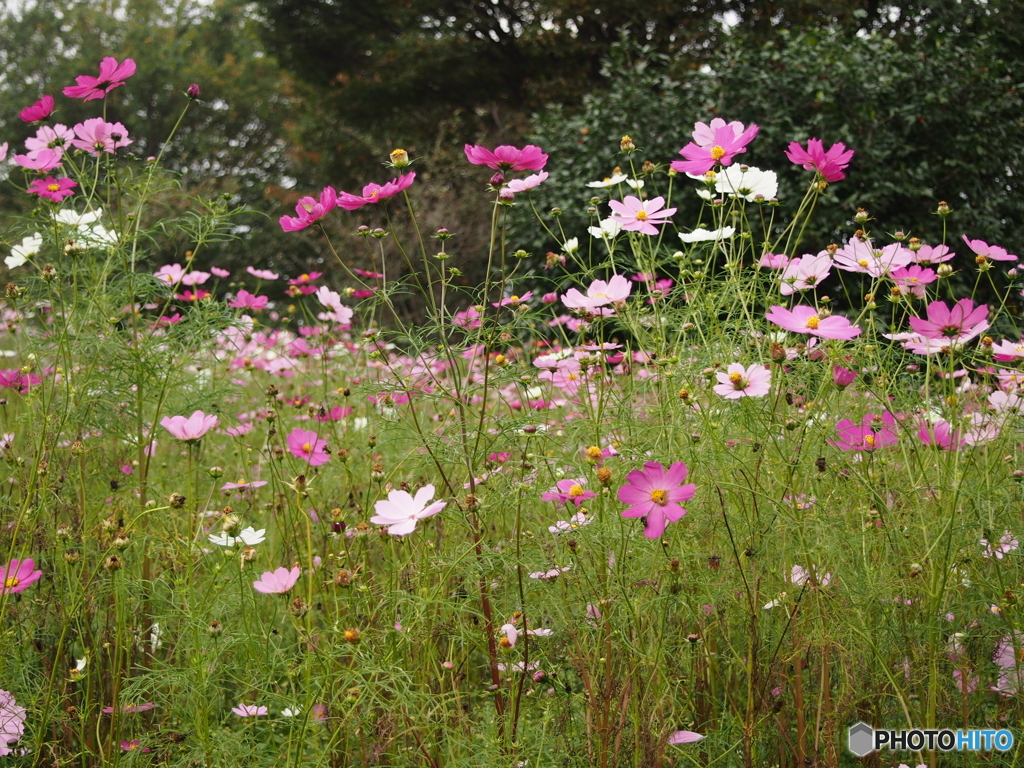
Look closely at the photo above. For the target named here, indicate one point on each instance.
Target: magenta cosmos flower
(12, 722)
(569, 490)
(18, 575)
(310, 211)
(191, 428)
(278, 581)
(507, 158)
(960, 323)
(654, 494)
(53, 189)
(736, 381)
(400, 511)
(111, 76)
(803, 319)
(707, 151)
(250, 710)
(599, 294)
(374, 193)
(41, 110)
(306, 445)
(872, 432)
(829, 164)
(635, 215)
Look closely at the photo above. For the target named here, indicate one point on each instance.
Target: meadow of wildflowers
(699, 493)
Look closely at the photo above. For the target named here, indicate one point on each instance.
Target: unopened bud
(626, 144)
(193, 91)
(399, 158)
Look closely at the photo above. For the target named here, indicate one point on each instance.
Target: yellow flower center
(303, 277)
(658, 496)
(812, 322)
(505, 643)
(641, 215)
(375, 193)
(869, 440)
(737, 381)
(576, 491)
(717, 153)
(514, 299)
(132, 746)
(11, 582)
(593, 452)
(309, 207)
(306, 447)
(53, 187)
(863, 262)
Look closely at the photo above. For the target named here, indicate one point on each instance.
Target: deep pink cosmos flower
(400, 511)
(310, 210)
(654, 494)
(41, 110)
(374, 193)
(843, 377)
(96, 135)
(12, 722)
(803, 319)
(304, 444)
(736, 381)
(993, 252)
(940, 435)
(111, 76)
(53, 189)
(960, 323)
(721, 149)
(278, 581)
(569, 490)
(191, 428)
(250, 710)
(245, 300)
(507, 158)
(599, 294)
(913, 279)
(18, 575)
(635, 215)
(829, 164)
(872, 432)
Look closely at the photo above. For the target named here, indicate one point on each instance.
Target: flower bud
(193, 91)
(944, 270)
(604, 477)
(351, 635)
(497, 180)
(626, 144)
(399, 158)
(943, 209)
(215, 628)
(506, 196)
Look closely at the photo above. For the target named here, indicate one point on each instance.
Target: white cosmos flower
(74, 219)
(611, 181)
(21, 253)
(250, 537)
(700, 234)
(571, 245)
(748, 184)
(636, 184)
(289, 712)
(609, 228)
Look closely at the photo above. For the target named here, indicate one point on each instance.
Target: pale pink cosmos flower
(374, 193)
(829, 164)
(773, 260)
(308, 446)
(218, 272)
(190, 428)
(18, 575)
(262, 274)
(599, 294)
(3, 151)
(54, 137)
(170, 273)
(310, 211)
(196, 277)
(1006, 545)
(96, 135)
(507, 158)
(804, 272)
(685, 737)
(278, 581)
(530, 182)
(41, 110)
(12, 722)
(570, 490)
(736, 381)
(400, 511)
(993, 252)
(635, 215)
(932, 254)
(800, 576)
(861, 256)
(249, 710)
(576, 521)
(1008, 657)
(112, 74)
(655, 494)
(551, 574)
(961, 322)
(802, 319)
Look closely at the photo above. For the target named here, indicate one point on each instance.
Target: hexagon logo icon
(861, 739)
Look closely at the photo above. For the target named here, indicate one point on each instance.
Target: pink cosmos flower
(12, 722)
(133, 746)
(685, 737)
(654, 494)
(310, 212)
(872, 432)
(263, 274)
(42, 160)
(191, 428)
(1006, 545)
(803, 319)
(513, 301)
(507, 158)
(96, 135)
(736, 381)
(278, 581)
(245, 300)
(550, 575)
(940, 435)
(41, 110)
(530, 182)
(993, 252)
(722, 147)
(861, 256)
(913, 279)
(640, 216)
(569, 490)
(804, 272)
(250, 710)
(576, 521)
(54, 137)
(932, 254)
(131, 708)
(843, 377)
(196, 277)
(170, 273)
(306, 445)
(1011, 667)
(400, 511)
(800, 576)
(18, 575)
(111, 76)
(599, 294)
(374, 193)
(218, 272)
(829, 164)
(960, 323)
(53, 189)
(3, 152)
(773, 261)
